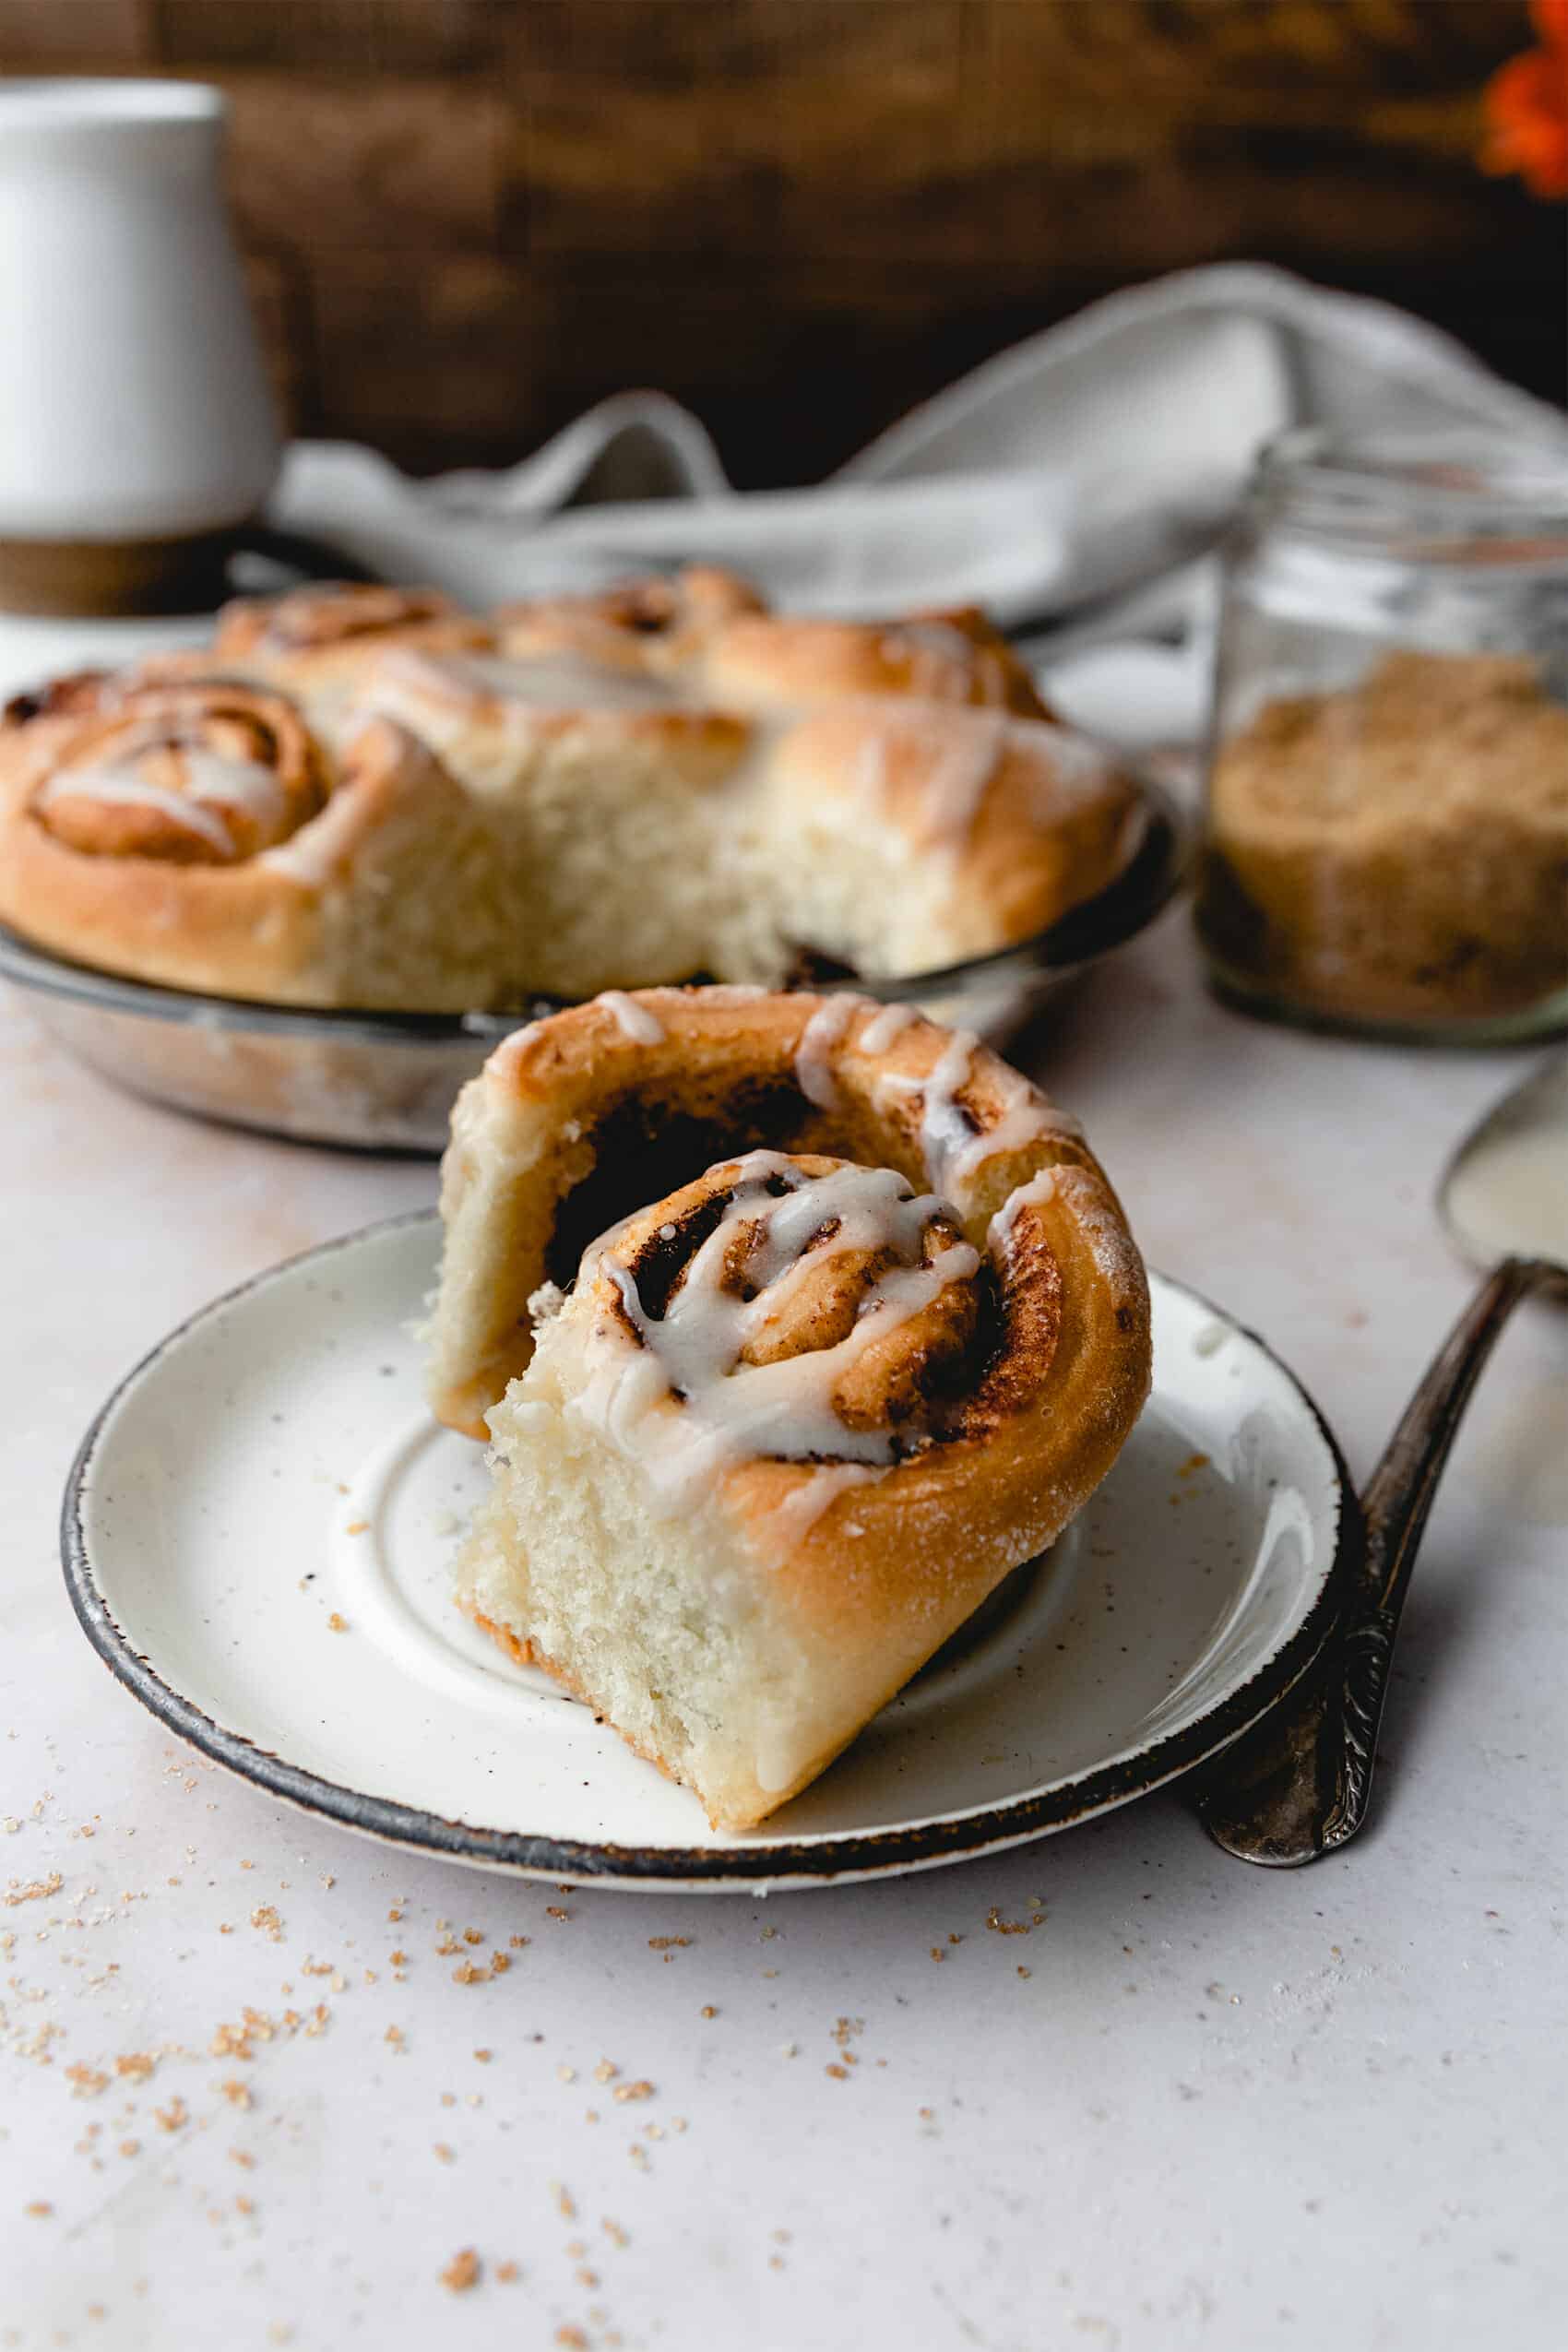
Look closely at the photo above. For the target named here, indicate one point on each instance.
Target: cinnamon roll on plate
(797, 1324)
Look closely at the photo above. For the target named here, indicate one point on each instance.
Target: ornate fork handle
(1298, 1784)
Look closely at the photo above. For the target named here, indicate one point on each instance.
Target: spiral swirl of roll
(208, 773)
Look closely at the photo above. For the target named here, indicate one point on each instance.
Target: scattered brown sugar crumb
(172, 2118)
(499, 1964)
(1194, 1463)
(444, 2153)
(130, 2147)
(243, 2158)
(484, 2056)
(507, 2272)
(394, 2035)
(238, 2093)
(1023, 1972)
(566, 2204)
(36, 1890)
(337, 1624)
(137, 2063)
(707, 2010)
(571, 2338)
(244, 2204)
(265, 1917)
(626, 2092)
(86, 2081)
(839, 2074)
(669, 1943)
(465, 1973)
(613, 2231)
(556, 1911)
(588, 2278)
(999, 1926)
(462, 2272)
(937, 1952)
(473, 1935)
(356, 1526)
(606, 2071)
(396, 1912)
(40, 2209)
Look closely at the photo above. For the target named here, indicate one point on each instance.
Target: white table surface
(1196, 2105)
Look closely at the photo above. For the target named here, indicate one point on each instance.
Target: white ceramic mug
(134, 411)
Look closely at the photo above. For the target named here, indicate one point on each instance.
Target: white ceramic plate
(259, 1535)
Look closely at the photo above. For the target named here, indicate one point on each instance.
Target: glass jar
(1387, 835)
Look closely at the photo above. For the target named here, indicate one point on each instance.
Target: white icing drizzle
(212, 784)
(933, 645)
(953, 775)
(107, 784)
(1078, 766)
(544, 681)
(633, 1019)
(957, 782)
(813, 1069)
(797, 1513)
(952, 1148)
(1034, 1195)
(881, 1030)
(732, 1411)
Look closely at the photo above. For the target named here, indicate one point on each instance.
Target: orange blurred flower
(1527, 108)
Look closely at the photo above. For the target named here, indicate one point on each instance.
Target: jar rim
(1463, 475)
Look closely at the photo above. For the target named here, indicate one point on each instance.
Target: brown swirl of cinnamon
(335, 613)
(647, 623)
(785, 1306)
(205, 773)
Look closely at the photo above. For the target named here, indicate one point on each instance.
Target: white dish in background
(258, 1536)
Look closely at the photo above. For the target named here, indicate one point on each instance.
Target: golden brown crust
(767, 661)
(655, 625)
(316, 636)
(1027, 819)
(709, 633)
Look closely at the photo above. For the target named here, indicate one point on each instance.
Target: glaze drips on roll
(205, 773)
(769, 1421)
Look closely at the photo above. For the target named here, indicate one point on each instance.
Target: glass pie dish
(380, 1081)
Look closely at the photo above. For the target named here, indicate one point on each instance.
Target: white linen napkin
(1070, 485)
(1074, 485)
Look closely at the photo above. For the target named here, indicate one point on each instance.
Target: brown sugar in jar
(1386, 844)
(1397, 851)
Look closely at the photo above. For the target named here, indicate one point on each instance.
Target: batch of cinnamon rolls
(795, 1322)
(365, 797)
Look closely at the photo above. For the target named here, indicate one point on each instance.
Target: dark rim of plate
(856, 1854)
(1146, 886)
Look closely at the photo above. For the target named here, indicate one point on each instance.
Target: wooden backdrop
(466, 219)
